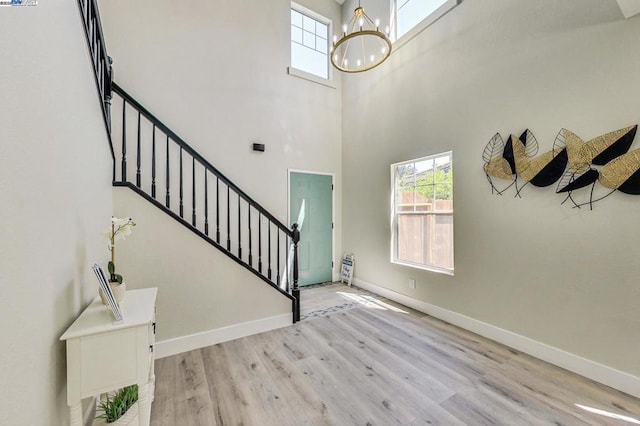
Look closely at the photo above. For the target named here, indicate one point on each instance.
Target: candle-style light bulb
(386, 30)
(373, 58)
(335, 39)
(344, 28)
(377, 23)
(358, 63)
(344, 62)
(361, 22)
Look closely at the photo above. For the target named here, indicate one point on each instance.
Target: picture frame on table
(103, 282)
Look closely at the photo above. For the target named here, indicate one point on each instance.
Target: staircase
(156, 163)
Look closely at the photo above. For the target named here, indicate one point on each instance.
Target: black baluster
(193, 190)
(167, 176)
(138, 155)
(239, 231)
(249, 222)
(269, 252)
(217, 210)
(286, 264)
(228, 221)
(108, 90)
(259, 242)
(88, 17)
(206, 204)
(296, 291)
(181, 187)
(278, 259)
(124, 140)
(153, 163)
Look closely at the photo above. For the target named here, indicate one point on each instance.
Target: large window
(419, 14)
(423, 213)
(309, 41)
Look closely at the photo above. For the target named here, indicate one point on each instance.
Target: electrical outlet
(412, 283)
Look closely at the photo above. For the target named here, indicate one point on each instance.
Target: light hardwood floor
(374, 362)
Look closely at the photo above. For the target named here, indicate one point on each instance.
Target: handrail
(176, 178)
(286, 284)
(101, 62)
(199, 233)
(174, 137)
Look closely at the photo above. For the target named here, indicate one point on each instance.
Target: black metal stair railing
(214, 199)
(160, 166)
(100, 61)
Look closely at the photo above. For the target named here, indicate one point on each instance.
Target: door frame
(334, 275)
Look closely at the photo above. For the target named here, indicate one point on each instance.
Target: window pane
(322, 30)
(424, 172)
(306, 59)
(308, 24)
(296, 34)
(424, 198)
(308, 39)
(296, 18)
(405, 174)
(444, 197)
(321, 45)
(405, 199)
(411, 13)
(426, 239)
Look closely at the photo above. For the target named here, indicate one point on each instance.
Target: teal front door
(311, 204)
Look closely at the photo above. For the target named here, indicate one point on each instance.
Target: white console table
(103, 356)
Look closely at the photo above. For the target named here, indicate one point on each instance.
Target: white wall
(55, 173)
(216, 73)
(561, 276)
(200, 289)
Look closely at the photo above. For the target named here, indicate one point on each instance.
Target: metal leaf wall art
(570, 163)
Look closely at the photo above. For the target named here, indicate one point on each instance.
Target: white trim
(203, 339)
(311, 77)
(424, 24)
(606, 375)
(335, 275)
(303, 74)
(430, 268)
(394, 215)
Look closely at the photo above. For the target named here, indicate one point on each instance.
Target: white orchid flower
(122, 228)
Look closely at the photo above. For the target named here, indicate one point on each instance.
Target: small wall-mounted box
(258, 147)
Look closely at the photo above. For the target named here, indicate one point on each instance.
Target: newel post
(295, 292)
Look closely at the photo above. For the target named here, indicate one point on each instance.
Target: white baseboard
(203, 339)
(609, 376)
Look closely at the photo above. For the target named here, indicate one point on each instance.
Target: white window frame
(424, 24)
(304, 74)
(394, 217)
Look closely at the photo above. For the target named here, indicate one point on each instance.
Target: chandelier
(362, 45)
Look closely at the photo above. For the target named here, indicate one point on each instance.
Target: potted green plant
(119, 408)
(120, 229)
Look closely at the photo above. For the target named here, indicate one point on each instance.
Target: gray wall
(565, 277)
(55, 174)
